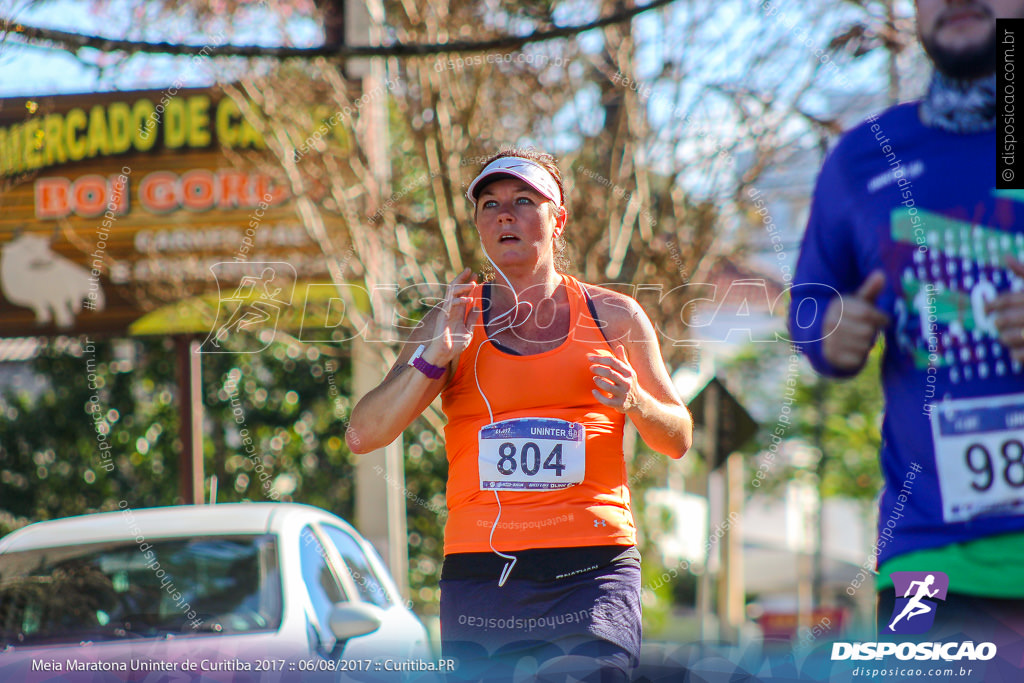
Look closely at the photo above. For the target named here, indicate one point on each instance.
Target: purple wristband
(431, 371)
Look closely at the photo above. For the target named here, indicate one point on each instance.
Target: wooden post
(731, 593)
(710, 448)
(190, 400)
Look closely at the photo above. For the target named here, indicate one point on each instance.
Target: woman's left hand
(617, 383)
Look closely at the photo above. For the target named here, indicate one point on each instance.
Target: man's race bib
(979, 451)
(532, 454)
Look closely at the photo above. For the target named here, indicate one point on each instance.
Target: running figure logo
(260, 292)
(914, 612)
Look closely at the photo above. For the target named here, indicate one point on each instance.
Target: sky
(31, 70)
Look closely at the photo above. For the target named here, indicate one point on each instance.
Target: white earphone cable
(490, 413)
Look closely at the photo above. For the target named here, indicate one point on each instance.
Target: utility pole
(380, 499)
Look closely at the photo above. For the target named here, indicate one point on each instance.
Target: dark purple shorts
(587, 626)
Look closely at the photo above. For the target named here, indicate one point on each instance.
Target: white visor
(530, 172)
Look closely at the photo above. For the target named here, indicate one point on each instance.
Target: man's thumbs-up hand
(1008, 311)
(855, 323)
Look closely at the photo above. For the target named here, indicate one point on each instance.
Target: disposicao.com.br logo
(914, 612)
(918, 596)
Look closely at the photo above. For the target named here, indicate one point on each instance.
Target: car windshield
(124, 589)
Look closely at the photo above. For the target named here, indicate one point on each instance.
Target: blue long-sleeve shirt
(919, 204)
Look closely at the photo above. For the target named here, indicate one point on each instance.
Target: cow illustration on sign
(33, 275)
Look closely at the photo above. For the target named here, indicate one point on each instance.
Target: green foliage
(848, 415)
(52, 445)
(842, 417)
(656, 595)
(273, 421)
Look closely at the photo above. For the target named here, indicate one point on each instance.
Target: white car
(237, 591)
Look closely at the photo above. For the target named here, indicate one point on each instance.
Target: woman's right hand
(380, 416)
(453, 329)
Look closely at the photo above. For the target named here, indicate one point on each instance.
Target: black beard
(968, 64)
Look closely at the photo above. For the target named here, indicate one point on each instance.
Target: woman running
(537, 373)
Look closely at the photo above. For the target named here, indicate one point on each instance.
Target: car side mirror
(353, 619)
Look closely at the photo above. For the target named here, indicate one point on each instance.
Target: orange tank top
(553, 384)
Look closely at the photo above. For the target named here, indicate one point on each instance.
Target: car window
(371, 588)
(321, 584)
(213, 584)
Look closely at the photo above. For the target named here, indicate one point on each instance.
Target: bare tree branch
(73, 42)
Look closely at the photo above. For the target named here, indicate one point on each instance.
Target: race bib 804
(979, 451)
(532, 454)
